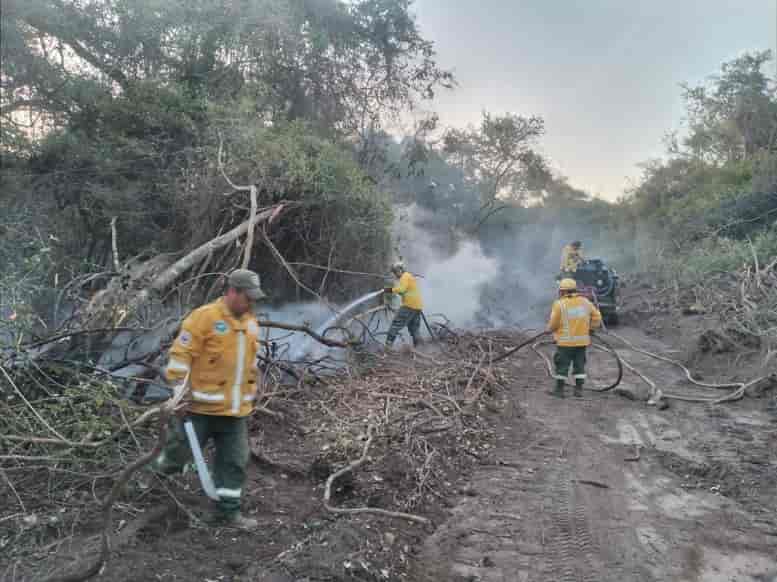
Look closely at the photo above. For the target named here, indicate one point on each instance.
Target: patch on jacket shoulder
(185, 339)
(220, 327)
(579, 311)
(253, 328)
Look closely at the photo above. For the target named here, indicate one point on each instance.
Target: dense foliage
(114, 109)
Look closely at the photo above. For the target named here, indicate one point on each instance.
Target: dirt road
(599, 489)
(606, 489)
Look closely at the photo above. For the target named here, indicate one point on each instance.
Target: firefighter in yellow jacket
(410, 313)
(571, 257)
(217, 348)
(571, 321)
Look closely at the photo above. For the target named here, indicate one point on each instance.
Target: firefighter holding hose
(216, 349)
(411, 311)
(571, 320)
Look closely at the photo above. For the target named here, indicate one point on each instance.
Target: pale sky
(604, 74)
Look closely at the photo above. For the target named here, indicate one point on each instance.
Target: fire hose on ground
(535, 344)
(599, 343)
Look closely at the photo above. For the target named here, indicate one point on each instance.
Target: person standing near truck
(571, 257)
(571, 320)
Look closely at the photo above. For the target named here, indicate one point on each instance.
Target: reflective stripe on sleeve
(207, 397)
(239, 369)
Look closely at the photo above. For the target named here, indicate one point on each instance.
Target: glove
(388, 290)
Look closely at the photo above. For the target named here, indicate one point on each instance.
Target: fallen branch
(87, 445)
(28, 405)
(251, 228)
(172, 273)
(252, 217)
(282, 261)
(305, 329)
(341, 271)
(85, 572)
(357, 510)
(115, 246)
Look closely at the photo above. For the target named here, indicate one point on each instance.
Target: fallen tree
(126, 294)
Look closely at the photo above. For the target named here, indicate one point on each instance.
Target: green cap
(248, 282)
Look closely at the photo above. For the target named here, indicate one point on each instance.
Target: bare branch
(351, 467)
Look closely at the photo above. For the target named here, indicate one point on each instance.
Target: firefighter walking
(571, 320)
(410, 313)
(217, 348)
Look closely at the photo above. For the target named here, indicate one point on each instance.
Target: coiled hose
(595, 338)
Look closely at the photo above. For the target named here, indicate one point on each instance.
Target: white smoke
(505, 278)
(310, 314)
(453, 273)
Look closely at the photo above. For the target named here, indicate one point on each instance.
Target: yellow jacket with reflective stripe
(407, 288)
(572, 319)
(220, 350)
(570, 258)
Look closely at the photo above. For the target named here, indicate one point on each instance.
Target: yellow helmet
(567, 285)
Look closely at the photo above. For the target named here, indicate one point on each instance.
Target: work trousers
(230, 437)
(405, 317)
(566, 357)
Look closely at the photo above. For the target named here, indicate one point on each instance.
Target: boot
(578, 389)
(558, 391)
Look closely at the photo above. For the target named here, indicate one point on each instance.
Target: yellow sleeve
(596, 317)
(186, 347)
(555, 317)
(404, 281)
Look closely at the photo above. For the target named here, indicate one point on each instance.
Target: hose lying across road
(656, 393)
(739, 388)
(597, 341)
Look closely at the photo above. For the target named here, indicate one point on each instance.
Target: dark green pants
(566, 357)
(405, 317)
(230, 436)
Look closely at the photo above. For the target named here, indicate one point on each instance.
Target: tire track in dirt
(564, 533)
(564, 499)
(552, 538)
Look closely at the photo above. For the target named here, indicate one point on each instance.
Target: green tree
(735, 114)
(498, 160)
(342, 66)
(133, 94)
